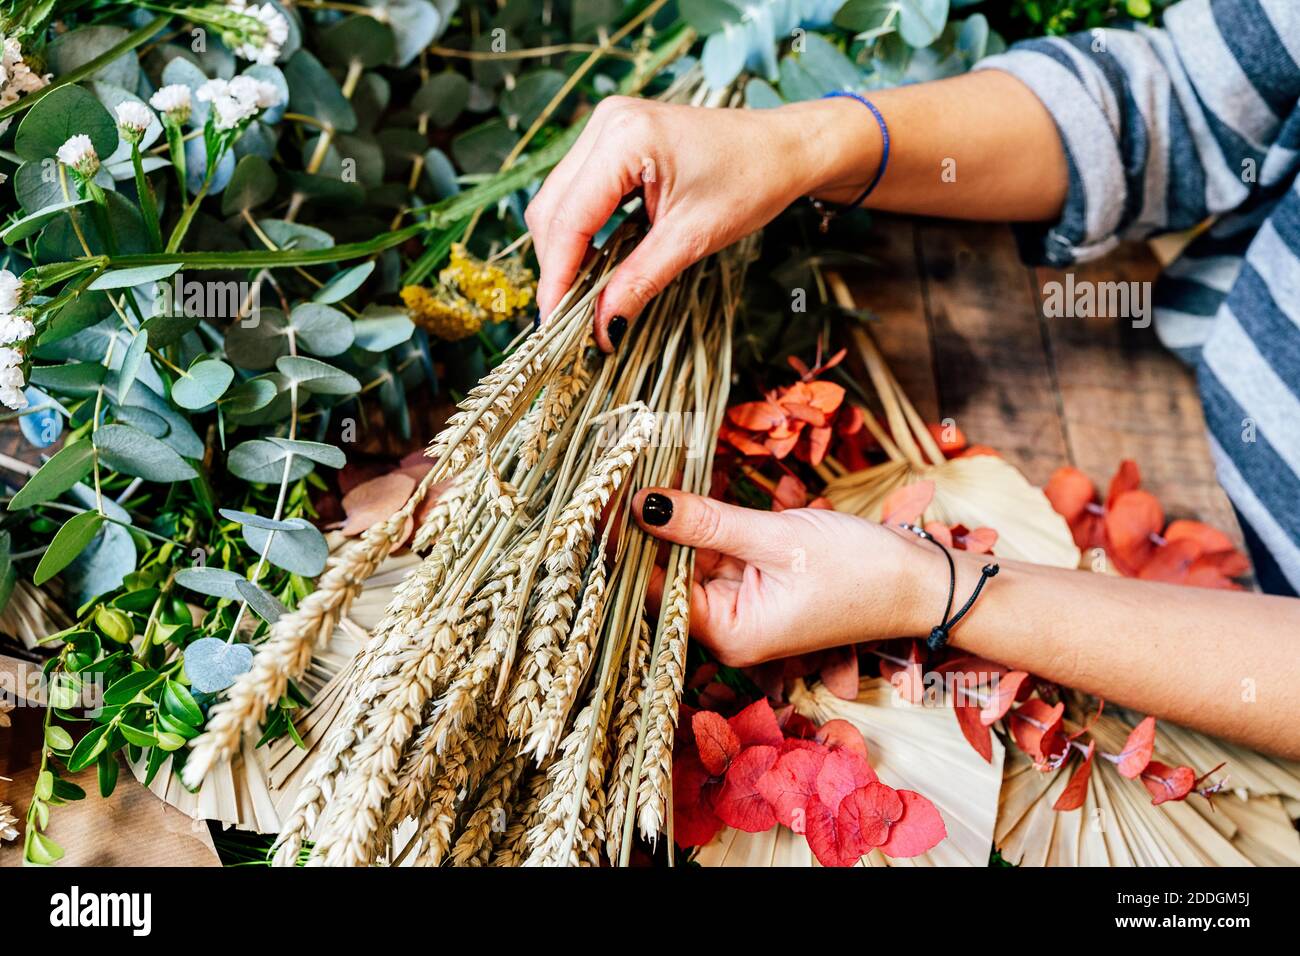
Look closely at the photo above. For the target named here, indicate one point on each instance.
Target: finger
(760, 538)
(666, 250)
(597, 189)
(540, 211)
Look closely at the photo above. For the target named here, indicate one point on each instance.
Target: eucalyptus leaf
(262, 462)
(60, 115)
(33, 223)
(442, 98)
(130, 451)
(214, 582)
(251, 184)
(248, 397)
(255, 520)
(202, 383)
(358, 39)
(302, 550)
(319, 452)
(314, 92)
(263, 604)
(321, 329)
(135, 354)
(316, 377)
(255, 342)
(381, 328)
(344, 283)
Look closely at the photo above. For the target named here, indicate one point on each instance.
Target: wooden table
(962, 325)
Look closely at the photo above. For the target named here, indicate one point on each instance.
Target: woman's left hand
(775, 584)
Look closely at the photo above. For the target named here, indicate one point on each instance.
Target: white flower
(212, 89)
(133, 118)
(261, 44)
(15, 328)
(230, 112)
(11, 378)
(79, 153)
(174, 101)
(261, 94)
(11, 291)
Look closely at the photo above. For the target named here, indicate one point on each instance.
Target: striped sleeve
(1163, 128)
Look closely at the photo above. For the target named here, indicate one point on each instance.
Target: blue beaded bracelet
(828, 210)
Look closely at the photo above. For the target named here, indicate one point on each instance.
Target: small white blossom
(11, 378)
(174, 101)
(212, 89)
(11, 291)
(79, 153)
(15, 328)
(261, 94)
(261, 44)
(133, 118)
(229, 112)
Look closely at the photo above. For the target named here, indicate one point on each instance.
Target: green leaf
(68, 466)
(709, 16)
(258, 340)
(76, 48)
(316, 377)
(60, 115)
(34, 223)
(262, 462)
(344, 284)
(41, 850)
(8, 573)
(130, 451)
(322, 329)
(381, 328)
(215, 582)
(75, 378)
(264, 605)
(202, 384)
(294, 235)
(44, 785)
(319, 452)
(242, 518)
(483, 148)
(71, 539)
(180, 704)
(137, 735)
(114, 624)
(135, 354)
(358, 39)
(130, 278)
(314, 92)
(66, 790)
(89, 748)
(124, 689)
(167, 330)
(252, 184)
(442, 98)
(250, 396)
(302, 550)
(106, 768)
(169, 741)
(56, 738)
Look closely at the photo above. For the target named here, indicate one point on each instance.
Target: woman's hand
(775, 584)
(708, 177)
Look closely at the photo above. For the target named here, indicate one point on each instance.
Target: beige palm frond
(1249, 823)
(910, 746)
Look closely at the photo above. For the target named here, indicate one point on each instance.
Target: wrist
(838, 146)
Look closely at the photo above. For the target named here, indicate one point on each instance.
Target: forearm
(1224, 662)
(978, 146)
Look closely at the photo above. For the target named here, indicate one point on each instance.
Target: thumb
(658, 259)
(756, 537)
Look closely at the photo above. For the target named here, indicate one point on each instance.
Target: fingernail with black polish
(657, 510)
(616, 330)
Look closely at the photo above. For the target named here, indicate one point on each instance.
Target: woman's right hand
(708, 176)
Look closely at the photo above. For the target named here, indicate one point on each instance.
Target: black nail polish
(657, 510)
(616, 330)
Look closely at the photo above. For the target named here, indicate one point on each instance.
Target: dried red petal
(1167, 783)
(1076, 790)
(1126, 479)
(842, 772)
(1141, 742)
(694, 822)
(716, 742)
(949, 437)
(839, 672)
(739, 804)
(756, 416)
(905, 505)
(1131, 521)
(866, 815)
(756, 724)
(792, 782)
(839, 734)
(1036, 728)
(920, 829)
(975, 731)
(1004, 695)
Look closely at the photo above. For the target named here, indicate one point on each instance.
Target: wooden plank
(994, 376)
(891, 289)
(1124, 395)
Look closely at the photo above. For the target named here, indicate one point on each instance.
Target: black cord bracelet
(938, 638)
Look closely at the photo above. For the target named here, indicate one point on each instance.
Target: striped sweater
(1164, 129)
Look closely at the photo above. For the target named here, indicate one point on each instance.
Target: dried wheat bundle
(514, 700)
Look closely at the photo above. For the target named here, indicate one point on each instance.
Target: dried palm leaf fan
(1247, 824)
(909, 746)
(255, 789)
(980, 491)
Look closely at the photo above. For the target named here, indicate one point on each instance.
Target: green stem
(183, 224)
(148, 204)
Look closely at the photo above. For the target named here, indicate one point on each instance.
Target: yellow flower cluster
(470, 293)
(500, 289)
